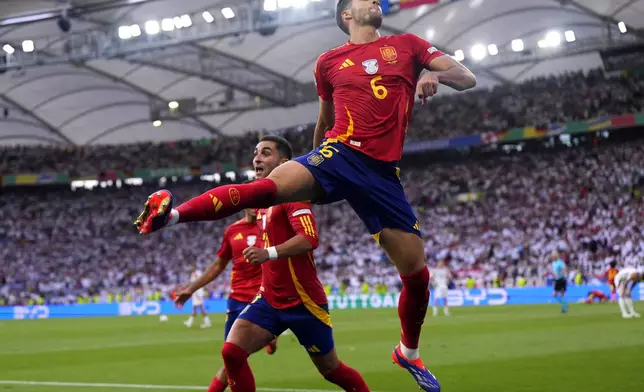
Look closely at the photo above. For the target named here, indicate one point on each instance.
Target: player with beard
(366, 90)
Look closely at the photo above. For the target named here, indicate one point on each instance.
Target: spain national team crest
(370, 66)
(235, 197)
(251, 240)
(388, 53)
(314, 159)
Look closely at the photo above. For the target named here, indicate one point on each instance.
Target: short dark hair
(283, 146)
(341, 7)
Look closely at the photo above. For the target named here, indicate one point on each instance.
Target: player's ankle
(409, 353)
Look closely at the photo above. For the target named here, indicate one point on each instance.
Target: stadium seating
(495, 218)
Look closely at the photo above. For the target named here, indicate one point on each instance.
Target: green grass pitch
(478, 349)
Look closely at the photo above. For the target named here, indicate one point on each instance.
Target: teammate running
(197, 303)
(622, 280)
(610, 278)
(245, 280)
(366, 90)
(291, 296)
(560, 272)
(441, 276)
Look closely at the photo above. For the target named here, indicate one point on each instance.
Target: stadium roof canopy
(107, 99)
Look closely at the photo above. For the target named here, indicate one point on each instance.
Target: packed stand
(62, 244)
(538, 102)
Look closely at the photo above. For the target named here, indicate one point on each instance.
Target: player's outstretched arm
(452, 73)
(184, 292)
(296, 245)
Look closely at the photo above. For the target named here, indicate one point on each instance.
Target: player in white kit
(625, 280)
(197, 303)
(441, 276)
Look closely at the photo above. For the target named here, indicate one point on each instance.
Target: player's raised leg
(289, 182)
(406, 251)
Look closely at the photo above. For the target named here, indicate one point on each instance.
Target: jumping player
(560, 272)
(245, 280)
(441, 276)
(291, 296)
(611, 272)
(366, 90)
(197, 303)
(622, 280)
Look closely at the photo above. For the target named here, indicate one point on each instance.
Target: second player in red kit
(291, 295)
(245, 279)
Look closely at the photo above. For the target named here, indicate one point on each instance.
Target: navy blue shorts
(233, 309)
(371, 187)
(314, 332)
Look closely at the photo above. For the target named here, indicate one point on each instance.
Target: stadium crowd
(496, 219)
(538, 102)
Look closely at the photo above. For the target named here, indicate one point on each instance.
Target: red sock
(217, 385)
(226, 200)
(347, 378)
(240, 377)
(412, 306)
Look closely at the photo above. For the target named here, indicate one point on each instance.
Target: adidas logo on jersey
(347, 63)
(239, 236)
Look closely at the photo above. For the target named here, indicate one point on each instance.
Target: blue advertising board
(460, 297)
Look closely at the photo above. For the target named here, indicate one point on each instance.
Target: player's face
(366, 13)
(267, 158)
(251, 213)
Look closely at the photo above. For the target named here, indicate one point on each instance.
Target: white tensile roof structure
(107, 100)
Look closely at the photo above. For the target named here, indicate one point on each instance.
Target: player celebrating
(291, 296)
(245, 279)
(560, 272)
(441, 276)
(622, 280)
(197, 303)
(366, 90)
(611, 272)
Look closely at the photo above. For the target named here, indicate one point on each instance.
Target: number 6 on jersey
(379, 91)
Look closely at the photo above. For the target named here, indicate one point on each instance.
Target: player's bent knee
(326, 364)
(295, 182)
(404, 249)
(250, 337)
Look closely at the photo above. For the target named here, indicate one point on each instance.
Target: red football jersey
(246, 278)
(293, 281)
(373, 87)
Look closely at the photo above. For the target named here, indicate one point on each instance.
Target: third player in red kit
(367, 89)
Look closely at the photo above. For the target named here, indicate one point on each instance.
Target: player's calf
(336, 372)
(406, 251)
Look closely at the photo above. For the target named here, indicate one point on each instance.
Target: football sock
(412, 308)
(446, 310)
(217, 385)
(613, 296)
(622, 306)
(435, 310)
(347, 378)
(240, 377)
(629, 305)
(226, 200)
(564, 304)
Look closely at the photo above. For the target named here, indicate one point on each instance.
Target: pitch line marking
(140, 386)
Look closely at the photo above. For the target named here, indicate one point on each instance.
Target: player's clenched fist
(156, 212)
(256, 255)
(427, 86)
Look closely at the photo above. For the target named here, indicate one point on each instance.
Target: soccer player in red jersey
(366, 90)
(610, 275)
(291, 296)
(245, 280)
